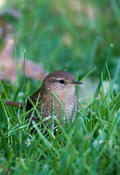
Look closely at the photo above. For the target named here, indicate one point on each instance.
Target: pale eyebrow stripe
(54, 78)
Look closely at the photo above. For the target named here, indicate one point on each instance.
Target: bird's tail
(17, 104)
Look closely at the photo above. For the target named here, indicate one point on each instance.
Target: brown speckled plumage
(63, 85)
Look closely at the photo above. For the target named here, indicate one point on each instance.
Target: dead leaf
(7, 63)
(8, 66)
(32, 70)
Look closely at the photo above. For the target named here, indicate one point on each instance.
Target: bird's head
(60, 82)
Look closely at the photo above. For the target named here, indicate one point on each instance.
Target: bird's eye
(62, 81)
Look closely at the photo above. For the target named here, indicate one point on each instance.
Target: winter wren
(57, 92)
(62, 84)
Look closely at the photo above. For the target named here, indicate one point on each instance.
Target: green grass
(89, 145)
(53, 33)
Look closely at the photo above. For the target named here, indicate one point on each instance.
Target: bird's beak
(77, 82)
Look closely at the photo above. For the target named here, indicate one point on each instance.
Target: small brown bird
(60, 86)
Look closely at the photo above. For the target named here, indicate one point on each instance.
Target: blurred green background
(73, 35)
